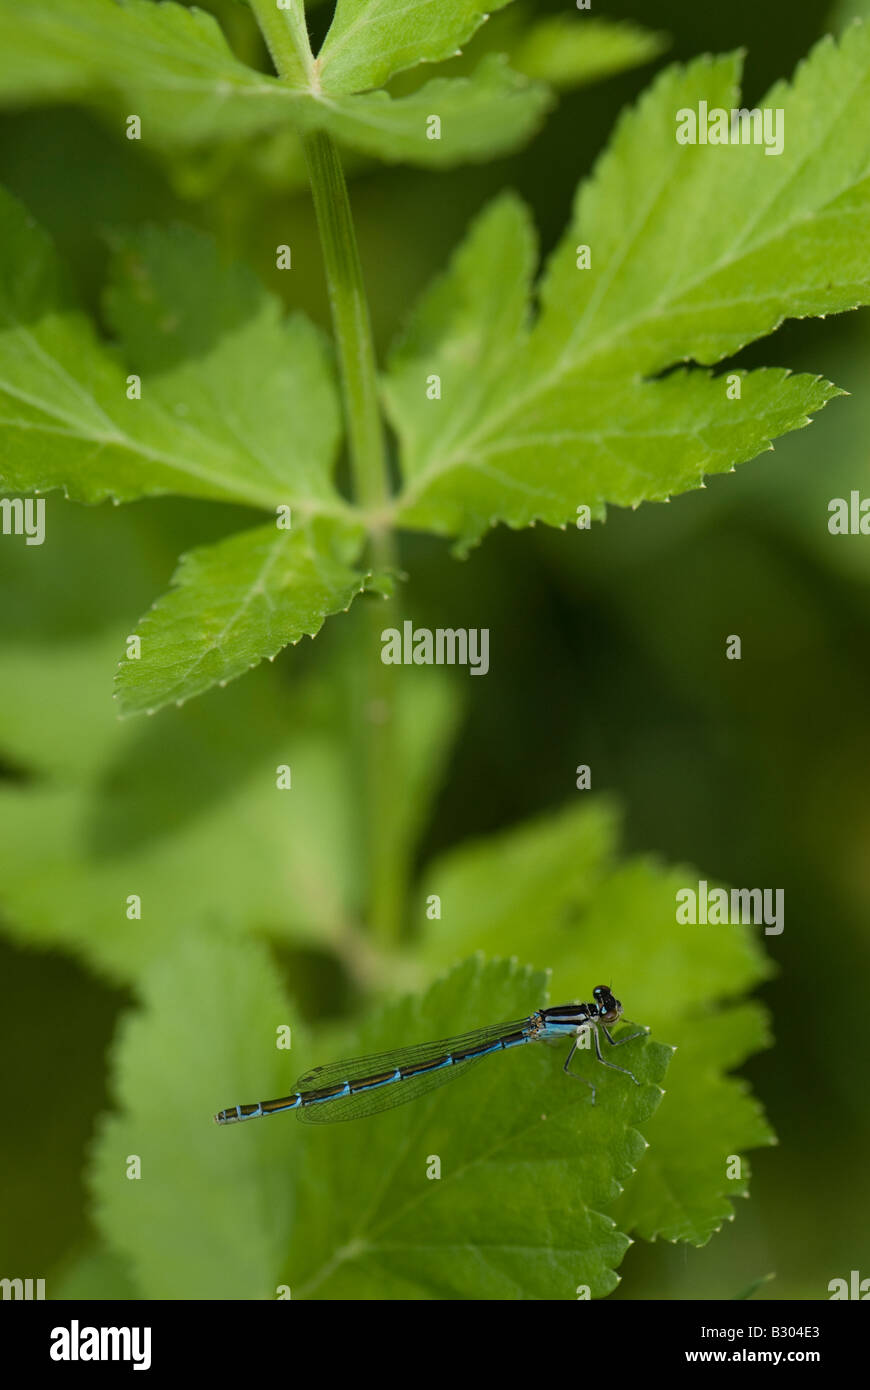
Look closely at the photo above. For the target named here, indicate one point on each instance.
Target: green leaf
(246, 402)
(207, 1031)
(369, 40)
(182, 810)
(234, 603)
(695, 251)
(217, 353)
(553, 868)
(568, 51)
(173, 68)
(169, 65)
(50, 725)
(528, 1168)
(488, 113)
(94, 1274)
(196, 789)
(563, 51)
(709, 247)
(465, 330)
(553, 886)
(251, 416)
(62, 394)
(686, 1190)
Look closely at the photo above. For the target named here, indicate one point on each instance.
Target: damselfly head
(609, 1008)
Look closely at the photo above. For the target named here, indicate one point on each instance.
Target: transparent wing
(386, 1097)
(382, 1097)
(352, 1068)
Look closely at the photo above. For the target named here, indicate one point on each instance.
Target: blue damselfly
(366, 1085)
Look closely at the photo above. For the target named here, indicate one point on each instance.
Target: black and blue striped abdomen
(365, 1085)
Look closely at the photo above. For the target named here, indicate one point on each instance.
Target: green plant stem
(287, 36)
(353, 336)
(351, 320)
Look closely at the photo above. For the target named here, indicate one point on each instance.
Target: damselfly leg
(576, 1074)
(610, 1065)
(614, 1042)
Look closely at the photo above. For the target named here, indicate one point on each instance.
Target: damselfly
(366, 1085)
